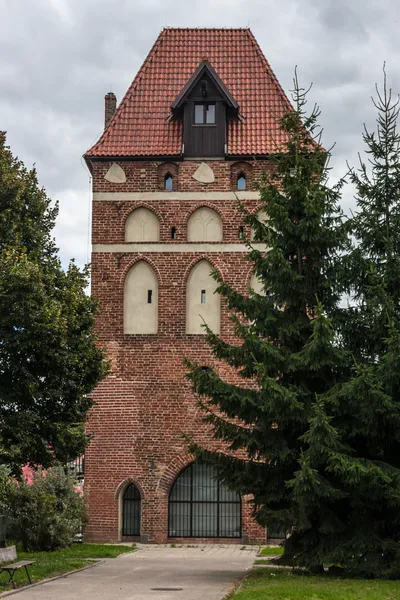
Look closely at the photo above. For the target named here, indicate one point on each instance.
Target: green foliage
(47, 513)
(366, 409)
(49, 361)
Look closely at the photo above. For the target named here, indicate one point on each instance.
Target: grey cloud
(59, 57)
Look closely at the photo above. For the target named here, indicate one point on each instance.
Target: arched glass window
(205, 225)
(241, 182)
(202, 303)
(131, 504)
(201, 506)
(142, 225)
(168, 182)
(141, 299)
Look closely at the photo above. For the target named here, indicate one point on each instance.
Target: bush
(47, 512)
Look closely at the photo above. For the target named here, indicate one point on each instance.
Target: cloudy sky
(59, 57)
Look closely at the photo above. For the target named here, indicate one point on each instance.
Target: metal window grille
(201, 506)
(77, 468)
(131, 511)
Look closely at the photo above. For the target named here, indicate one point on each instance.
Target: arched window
(201, 506)
(202, 303)
(131, 504)
(241, 182)
(142, 225)
(205, 225)
(141, 300)
(168, 181)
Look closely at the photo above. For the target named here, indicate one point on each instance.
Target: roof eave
(131, 157)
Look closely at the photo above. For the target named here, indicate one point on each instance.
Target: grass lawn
(274, 584)
(50, 564)
(270, 551)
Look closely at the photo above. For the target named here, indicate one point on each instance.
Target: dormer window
(241, 182)
(204, 113)
(205, 105)
(168, 182)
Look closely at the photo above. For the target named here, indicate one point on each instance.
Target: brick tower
(191, 136)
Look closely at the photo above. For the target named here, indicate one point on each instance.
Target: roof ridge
(206, 28)
(133, 86)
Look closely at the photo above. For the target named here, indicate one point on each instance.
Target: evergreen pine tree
(286, 352)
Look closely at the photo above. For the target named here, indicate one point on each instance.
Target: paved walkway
(203, 572)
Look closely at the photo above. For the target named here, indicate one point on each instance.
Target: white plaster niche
(115, 174)
(205, 225)
(141, 300)
(142, 226)
(204, 174)
(202, 303)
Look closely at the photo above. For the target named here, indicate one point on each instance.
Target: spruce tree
(49, 361)
(366, 409)
(286, 353)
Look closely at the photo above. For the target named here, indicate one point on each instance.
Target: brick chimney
(110, 105)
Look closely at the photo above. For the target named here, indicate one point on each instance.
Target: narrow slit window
(149, 296)
(168, 182)
(203, 296)
(173, 233)
(241, 182)
(241, 232)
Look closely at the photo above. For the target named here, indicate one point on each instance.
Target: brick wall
(145, 405)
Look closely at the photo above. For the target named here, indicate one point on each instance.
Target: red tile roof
(140, 125)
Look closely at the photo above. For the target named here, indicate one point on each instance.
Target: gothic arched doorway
(131, 508)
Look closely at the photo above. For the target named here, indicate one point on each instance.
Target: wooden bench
(13, 568)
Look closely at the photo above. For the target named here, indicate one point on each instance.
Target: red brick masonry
(145, 405)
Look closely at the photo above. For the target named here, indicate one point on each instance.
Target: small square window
(204, 114)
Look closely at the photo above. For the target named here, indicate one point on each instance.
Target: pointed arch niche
(141, 300)
(202, 304)
(204, 225)
(256, 285)
(142, 225)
